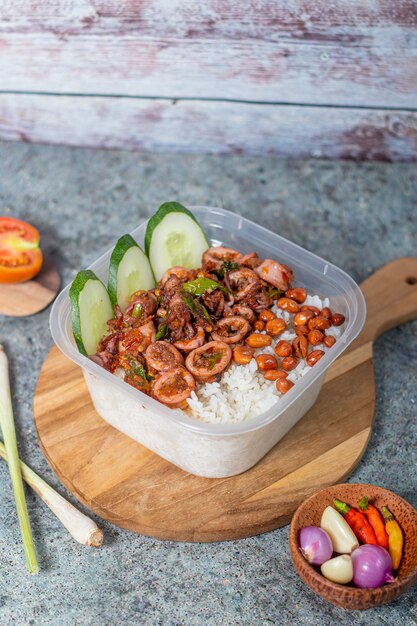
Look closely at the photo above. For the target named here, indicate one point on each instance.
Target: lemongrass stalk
(81, 527)
(9, 435)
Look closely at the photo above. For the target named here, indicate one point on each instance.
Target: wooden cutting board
(22, 299)
(134, 488)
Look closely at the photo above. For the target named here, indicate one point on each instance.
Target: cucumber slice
(90, 310)
(174, 237)
(129, 271)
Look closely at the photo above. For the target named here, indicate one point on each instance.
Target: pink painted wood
(199, 126)
(325, 56)
(300, 51)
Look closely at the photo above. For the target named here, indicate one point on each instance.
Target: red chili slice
(209, 360)
(162, 356)
(231, 329)
(173, 387)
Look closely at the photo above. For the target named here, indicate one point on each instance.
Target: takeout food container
(218, 450)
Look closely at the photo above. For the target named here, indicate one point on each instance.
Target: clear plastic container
(218, 450)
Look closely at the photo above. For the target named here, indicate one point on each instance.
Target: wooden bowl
(349, 597)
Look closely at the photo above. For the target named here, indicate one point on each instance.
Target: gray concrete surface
(358, 216)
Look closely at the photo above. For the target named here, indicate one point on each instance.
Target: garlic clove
(341, 534)
(339, 569)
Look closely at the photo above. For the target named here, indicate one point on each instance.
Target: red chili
(375, 520)
(357, 521)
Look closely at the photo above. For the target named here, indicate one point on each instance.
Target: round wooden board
(22, 299)
(136, 489)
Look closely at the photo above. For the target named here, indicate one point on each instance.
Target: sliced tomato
(20, 255)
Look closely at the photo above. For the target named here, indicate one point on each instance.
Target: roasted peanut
(298, 294)
(302, 318)
(300, 346)
(256, 340)
(266, 362)
(326, 312)
(275, 374)
(314, 356)
(329, 341)
(313, 309)
(315, 337)
(337, 319)
(266, 315)
(286, 304)
(289, 363)
(321, 323)
(275, 327)
(283, 348)
(301, 330)
(283, 385)
(242, 355)
(259, 325)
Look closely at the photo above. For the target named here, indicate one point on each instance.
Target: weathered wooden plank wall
(295, 78)
(204, 126)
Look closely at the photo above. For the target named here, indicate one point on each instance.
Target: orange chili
(375, 520)
(357, 521)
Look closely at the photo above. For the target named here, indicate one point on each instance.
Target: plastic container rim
(353, 328)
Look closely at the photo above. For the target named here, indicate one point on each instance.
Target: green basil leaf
(198, 309)
(200, 285)
(229, 266)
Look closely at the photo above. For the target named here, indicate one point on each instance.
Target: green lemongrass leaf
(81, 527)
(200, 285)
(10, 442)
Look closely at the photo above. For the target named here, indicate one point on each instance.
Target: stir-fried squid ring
(277, 274)
(194, 342)
(242, 282)
(231, 329)
(136, 340)
(244, 311)
(250, 260)
(213, 258)
(162, 356)
(173, 387)
(209, 360)
(146, 300)
(180, 272)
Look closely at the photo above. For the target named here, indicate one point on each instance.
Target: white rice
(243, 392)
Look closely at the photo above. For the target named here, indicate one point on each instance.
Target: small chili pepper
(395, 537)
(357, 521)
(375, 520)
